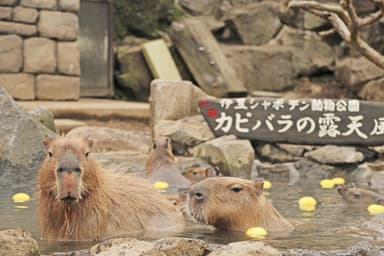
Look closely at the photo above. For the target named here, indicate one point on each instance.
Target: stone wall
(39, 55)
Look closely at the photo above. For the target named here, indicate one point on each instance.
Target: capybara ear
(217, 170)
(341, 189)
(47, 141)
(210, 172)
(259, 184)
(88, 141)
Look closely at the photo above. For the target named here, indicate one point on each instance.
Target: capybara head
(195, 174)
(65, 167)
(358, 196)
(236, 204)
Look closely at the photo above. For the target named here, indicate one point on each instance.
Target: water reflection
(330, 226)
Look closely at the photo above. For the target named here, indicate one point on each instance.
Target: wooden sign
(298, 121)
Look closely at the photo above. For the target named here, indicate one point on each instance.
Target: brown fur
(233, 204)
(196, 174)
(161, 165)
(107, 203)
(359, 196)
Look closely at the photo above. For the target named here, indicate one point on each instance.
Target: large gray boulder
(113, 139)
(234, 157)
(21, 143)
(331, 154)
(246, 248)
(267, 67)
(185, 133)
(275, 154)
(18, 243)
(255, 24)
(44, 116)
(373, 90)
(310, 53)
(174, 246)
(352, 72)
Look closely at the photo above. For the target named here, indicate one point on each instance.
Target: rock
(113, 139)
(274, 154)
(301, 19)
(331, 154)
(8, 2)
(123, 161)
(200, 7)
(265, 67)
(185, 133)
(21, 140)
(69, 5)
(26, 15)
(296, 150)
(377, 181)
(59, 25)
(268, 170)
(44, 116)
(73, 253)
(311, 169)
(310, 53)
(54, 87)
(233, 157)
(255, 24)
(17, 28)
(246, 248)
(20, 86)
(134, 71)
(18, 243)
(40, 4)
(11, 58)
(361, 174)
(373, 90)
(68, 58)
(5, 13)
(39, 55)
(173, 100)
(353, 72)
(174, 246)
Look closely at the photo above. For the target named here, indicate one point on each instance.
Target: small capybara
(78, 200)
(198, 173)
(234, 204)
(358, 196)
(161, 165)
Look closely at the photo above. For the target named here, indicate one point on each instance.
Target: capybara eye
(194, 173)
(236, 189)
(78, 170)
(357, 196)
(154, 146)
(50, 153)
(198, 195)
(86, 154)
(60, 170)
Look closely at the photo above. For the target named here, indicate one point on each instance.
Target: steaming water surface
(331, 226)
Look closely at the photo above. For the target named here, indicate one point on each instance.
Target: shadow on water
(330, 226)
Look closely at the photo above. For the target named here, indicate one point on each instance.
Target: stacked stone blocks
(39, 55)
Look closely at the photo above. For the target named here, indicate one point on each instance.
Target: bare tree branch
(346, 23)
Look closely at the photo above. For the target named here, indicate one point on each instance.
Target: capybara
(198, 173)
(78, 200)
(161, 165)
(234, 204)
(358, 196)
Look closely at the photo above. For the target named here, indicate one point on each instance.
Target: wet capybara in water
(198, 173)
(353, 196)
(234, 204)
(78, 200)
(161, 165)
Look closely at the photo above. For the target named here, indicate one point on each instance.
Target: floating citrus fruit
(307, 203)
(256, 232)
(161, 185)
(327, 183)
(267, 184)
(21, 198)
(338, 181)
(375, 209)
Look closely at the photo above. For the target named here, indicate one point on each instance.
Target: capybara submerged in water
(353, 196)
(78, 200)
(161, 165)
(234, 204)
(198, 173)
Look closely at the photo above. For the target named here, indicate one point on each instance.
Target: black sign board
(297, 121)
